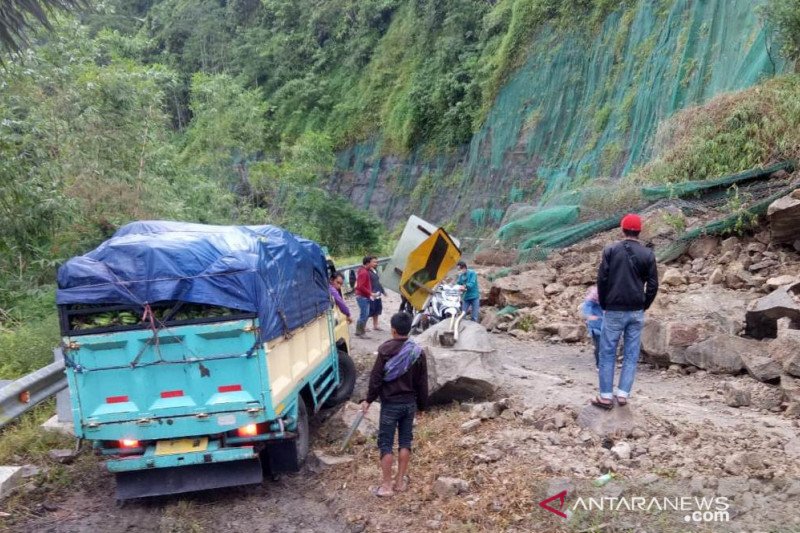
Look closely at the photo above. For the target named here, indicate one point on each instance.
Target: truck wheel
(302, 441)
(347, 381)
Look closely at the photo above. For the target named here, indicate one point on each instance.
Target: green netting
(542, 220)
(483, 216)
(503, 272)
(587, 105)
(517, 211)
(679, 190)
(507, 310)
(565, 236)
(720, 226)
(533, 254)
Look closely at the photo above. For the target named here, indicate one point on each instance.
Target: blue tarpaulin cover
(261, 269)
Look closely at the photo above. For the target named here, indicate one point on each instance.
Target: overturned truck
(196, 353)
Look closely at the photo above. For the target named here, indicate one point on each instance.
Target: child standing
(400, 379)
(593, 314)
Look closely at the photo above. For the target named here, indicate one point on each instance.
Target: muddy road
(540, 376)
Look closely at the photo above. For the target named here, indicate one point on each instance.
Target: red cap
(632, 222)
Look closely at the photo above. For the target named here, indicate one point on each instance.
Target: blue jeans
(596, 340)
(400, 417)
(475, 303)
(616, 324)
(363, 309)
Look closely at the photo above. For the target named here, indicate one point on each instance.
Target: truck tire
(302, 442)
(347, 381)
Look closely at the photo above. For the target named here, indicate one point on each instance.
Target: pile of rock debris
(729, 305)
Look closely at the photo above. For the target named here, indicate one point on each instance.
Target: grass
(28, 347)
(26, 442)
(731, 133)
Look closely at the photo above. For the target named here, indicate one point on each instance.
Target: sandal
(621, 400)
(598, 402)
(402, 486)
(380, 492)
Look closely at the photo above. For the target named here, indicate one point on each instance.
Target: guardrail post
(63, 404)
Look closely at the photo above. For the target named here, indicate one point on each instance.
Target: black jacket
(623, 275)
(411, 387)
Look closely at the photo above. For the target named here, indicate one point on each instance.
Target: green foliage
(737, 204)
(676, 221)
(17, 17)
(784, 15)
(87, 143)
(228, 124)
(29, 346)
(417, 72)
(735, 132)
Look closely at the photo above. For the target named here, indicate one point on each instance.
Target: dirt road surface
(547, 378)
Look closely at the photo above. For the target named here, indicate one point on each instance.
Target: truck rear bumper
(150, 460)
(163, 481)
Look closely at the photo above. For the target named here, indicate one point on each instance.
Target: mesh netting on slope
(580, 106)
(721, 226)
(543, 220)
(679, 190)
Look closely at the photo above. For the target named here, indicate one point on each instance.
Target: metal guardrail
(21, 395)
(345, 270)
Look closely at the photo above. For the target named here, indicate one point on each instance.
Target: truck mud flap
(176, 480)
(280, 457)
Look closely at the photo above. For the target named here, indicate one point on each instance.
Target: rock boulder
(467, 371)
(761, 367)
(665, 343)
(784, 218)
(721, 353)
(523, 290)
(673, 277)
(703, 247)
(762, 315)
(617, 421)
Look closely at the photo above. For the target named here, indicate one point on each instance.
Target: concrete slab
(9, 478)
(53, 424)
(4, 382)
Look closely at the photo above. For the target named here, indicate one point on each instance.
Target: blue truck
(195, 354)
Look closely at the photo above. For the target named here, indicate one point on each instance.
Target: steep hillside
(585, 105)
(456, 109)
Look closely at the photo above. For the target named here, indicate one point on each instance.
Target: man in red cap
(627, 282)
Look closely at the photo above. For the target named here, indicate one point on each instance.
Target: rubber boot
(360, 329)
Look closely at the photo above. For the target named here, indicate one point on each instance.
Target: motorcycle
(443, 304)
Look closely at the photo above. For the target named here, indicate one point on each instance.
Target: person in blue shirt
(468, 281)
(593, 314)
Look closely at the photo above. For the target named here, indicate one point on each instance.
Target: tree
(18, 16)
(784, 15)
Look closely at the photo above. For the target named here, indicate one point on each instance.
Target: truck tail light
(250, 430)
(172, 394)
(229, 388)
(116, 399)
(129, 443)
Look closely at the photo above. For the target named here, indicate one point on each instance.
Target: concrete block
(54, 424)
(9, 478)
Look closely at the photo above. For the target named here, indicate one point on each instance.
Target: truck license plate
(170, 447)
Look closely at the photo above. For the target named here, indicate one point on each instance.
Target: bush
(784, 15)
